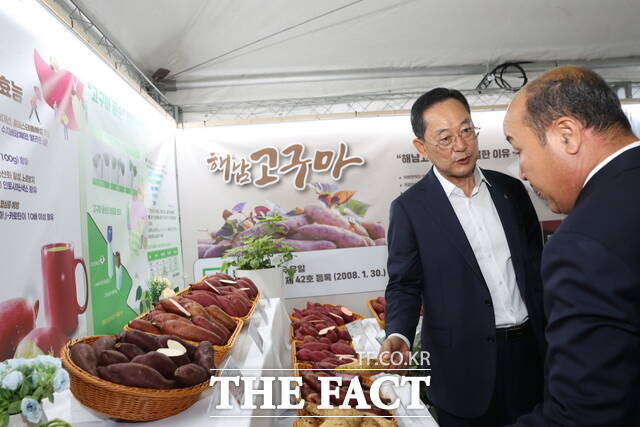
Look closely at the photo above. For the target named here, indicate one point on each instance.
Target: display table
(262, 345)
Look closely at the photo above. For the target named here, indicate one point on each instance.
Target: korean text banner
(53, 122)
(332, 180)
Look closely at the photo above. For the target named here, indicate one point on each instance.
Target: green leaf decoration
(138, 293)
(358, 207)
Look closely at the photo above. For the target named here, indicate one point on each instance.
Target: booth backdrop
(88, 203)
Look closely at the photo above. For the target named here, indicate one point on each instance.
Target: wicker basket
(219, 351)
(123, 402)
(375, 314)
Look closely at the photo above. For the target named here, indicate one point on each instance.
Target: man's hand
(394, 353)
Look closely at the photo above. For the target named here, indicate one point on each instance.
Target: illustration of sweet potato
(109, 357)
(135, 375)
(213, 251)
(375, 230)
(323, 215)
(309, 245)
(294, 222)
(157, 361)
(341, 237)
(358, 228)
(381, 242)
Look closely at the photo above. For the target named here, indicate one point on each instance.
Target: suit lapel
(437, 204)
(504, 205)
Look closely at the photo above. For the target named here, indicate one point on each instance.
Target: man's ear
(419, 145)
(568, 132)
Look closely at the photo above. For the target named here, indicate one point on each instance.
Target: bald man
(576, 148)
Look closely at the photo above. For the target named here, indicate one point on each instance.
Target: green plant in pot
(262, 255)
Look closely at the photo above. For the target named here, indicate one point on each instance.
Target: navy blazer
(591, 277)
(431, 262)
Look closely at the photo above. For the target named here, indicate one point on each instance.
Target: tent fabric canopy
(355, 39)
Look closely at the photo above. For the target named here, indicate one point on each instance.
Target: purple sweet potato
(134, 375)
(146, 342)
(128, 349)
(375, 230)
(294, 222)
(381, 242)
(158, 361)
(341, 237)
(204, 356)
(309, 245)
(323, 215)
(144, 325)
(109, 357)
(191, 374)
(213, 251)
(83, 355)
(103, 343)
(358, 229)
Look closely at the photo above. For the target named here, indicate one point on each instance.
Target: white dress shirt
(481, 224)
(608, 159)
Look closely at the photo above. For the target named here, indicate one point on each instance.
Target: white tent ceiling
(279, 49)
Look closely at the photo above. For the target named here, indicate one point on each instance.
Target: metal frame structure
(388, 102)
(92, 35)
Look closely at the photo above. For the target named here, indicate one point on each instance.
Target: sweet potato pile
(204, 313)
(311, 390)
(379, 306)
(138, 359)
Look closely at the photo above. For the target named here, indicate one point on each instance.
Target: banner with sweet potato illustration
(333, 182)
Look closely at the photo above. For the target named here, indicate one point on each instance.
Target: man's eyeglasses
(467, 134)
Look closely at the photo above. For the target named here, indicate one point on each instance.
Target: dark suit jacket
(591, 277)
(431, 262)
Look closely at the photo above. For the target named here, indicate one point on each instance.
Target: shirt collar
(450, 187)
(609, 159)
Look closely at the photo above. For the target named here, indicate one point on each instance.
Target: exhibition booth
(116, 215)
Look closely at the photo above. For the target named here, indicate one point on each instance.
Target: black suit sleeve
(592, 361)
(404, 290)
(534, 243)
(532, 228)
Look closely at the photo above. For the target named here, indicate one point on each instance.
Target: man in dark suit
(577, 149)
(466, 243)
